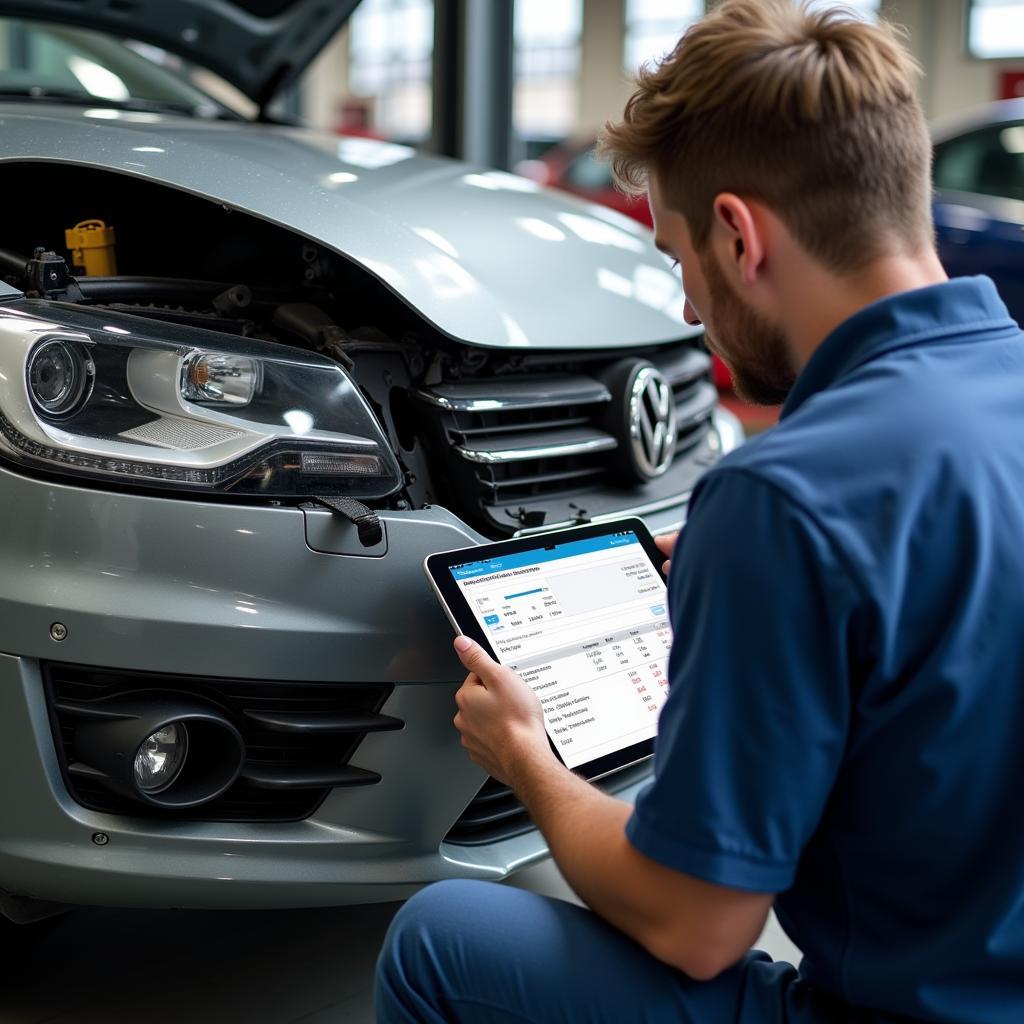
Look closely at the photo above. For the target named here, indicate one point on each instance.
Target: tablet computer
(581, 615)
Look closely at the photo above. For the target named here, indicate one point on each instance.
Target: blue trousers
(465, 951)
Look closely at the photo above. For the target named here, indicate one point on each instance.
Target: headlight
(160, 405)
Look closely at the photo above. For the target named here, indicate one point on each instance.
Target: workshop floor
(217, 967)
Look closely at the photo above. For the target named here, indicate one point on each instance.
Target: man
(843, 734)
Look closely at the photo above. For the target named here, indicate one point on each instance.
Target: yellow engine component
(92, 248)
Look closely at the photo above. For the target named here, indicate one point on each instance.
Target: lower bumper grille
(496, 814)
(299, 737)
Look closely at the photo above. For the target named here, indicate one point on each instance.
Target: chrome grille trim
(684, 367)
(695, 409)
(537, 392)
(546, 445)
(495, 430)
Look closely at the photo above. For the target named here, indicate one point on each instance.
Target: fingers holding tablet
(499, 717)
(475, 658)
(575, 620)
(666, 545)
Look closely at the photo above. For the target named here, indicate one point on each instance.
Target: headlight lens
(168, 406)
(219, 379)
(59, 374)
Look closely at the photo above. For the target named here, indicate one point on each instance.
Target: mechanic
(842, 736)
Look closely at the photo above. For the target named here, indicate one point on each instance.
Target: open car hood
(259, 46)
(488, 258)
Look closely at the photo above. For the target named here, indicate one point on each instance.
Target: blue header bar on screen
(517, 561)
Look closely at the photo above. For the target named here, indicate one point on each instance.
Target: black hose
(150, 290)
(168, 291)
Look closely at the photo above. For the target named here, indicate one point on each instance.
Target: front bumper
(238, 592)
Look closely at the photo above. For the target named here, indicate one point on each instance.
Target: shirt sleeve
(752, 733)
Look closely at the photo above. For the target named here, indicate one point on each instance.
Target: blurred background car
(572, 167)
(979, 206)
(979, 197)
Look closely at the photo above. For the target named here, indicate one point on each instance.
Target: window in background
(989, 162)
(995, 28)
(390, 48)
(547, 66)
(866, 9)
(653, 28)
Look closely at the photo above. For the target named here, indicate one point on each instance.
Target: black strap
(365, 520)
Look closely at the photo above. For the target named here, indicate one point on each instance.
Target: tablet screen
(585, 624)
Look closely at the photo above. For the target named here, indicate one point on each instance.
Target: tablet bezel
(438, 565)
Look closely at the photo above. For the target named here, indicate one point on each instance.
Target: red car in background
(571, 167)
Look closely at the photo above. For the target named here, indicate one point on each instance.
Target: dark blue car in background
(979, 197)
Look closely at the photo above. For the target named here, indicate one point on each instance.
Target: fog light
(160, 758)
(160, 749)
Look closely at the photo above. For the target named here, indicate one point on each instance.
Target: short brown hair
(814, 113)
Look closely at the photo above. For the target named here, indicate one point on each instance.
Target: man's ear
(739, 237)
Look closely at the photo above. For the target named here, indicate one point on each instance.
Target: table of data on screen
(585, 624)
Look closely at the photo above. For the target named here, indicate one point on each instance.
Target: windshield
(42, 61)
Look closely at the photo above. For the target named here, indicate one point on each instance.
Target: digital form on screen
(585, 624)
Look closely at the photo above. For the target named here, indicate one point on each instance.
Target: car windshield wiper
(147, 106)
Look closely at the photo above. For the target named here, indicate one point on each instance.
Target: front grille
(496, 814)
(299, 737)
(550, 442)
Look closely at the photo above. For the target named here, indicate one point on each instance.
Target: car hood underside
(486, 257)
(259, 46)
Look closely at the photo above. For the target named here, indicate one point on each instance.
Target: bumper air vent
(542, 442)
(495, 813)
(299, 737)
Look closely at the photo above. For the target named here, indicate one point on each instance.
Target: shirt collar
(958, 306)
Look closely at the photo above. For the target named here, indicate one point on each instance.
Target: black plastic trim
(495, 813)
(300, 737)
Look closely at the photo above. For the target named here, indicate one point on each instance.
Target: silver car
(250, 375)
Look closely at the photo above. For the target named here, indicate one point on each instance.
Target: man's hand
(666, 545)
(692, 925)
(499, 716)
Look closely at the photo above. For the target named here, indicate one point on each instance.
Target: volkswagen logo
(651, 417)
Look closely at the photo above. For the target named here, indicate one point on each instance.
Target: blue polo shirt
(845, 723)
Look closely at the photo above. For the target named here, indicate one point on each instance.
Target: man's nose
(690, 315)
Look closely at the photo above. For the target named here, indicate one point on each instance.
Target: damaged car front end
(300, 365)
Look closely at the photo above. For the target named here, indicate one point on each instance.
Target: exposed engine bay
(174, 258)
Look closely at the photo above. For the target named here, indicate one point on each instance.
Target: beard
(753, 348)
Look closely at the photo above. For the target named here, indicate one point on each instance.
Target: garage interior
(502, 84)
